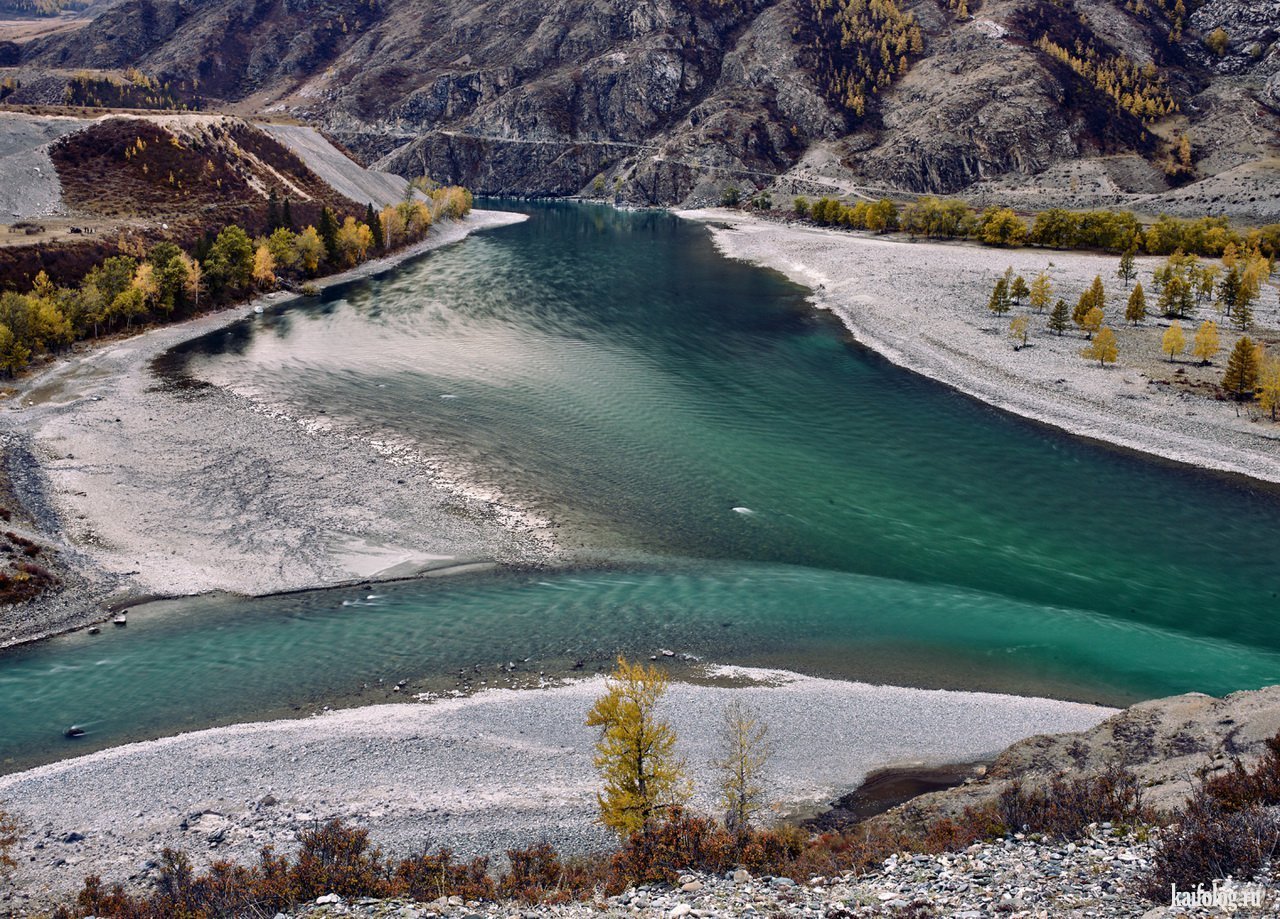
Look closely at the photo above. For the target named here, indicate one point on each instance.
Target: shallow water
(762, 490)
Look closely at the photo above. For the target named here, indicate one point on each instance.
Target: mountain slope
(667, 99)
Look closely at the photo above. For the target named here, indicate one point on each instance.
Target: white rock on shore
(482, 773)
(181, 492)
(922, 305)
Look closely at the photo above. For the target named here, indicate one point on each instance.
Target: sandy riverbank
(157, 490)
(923, 306)
(479, 773)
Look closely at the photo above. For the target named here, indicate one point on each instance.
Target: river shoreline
(152, 491)
(481, 773)
(922, 306)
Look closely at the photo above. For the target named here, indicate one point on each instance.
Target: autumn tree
(1206, 344)
(1000, 302)
(1229, 289)
(882, 216)
(1136, 310)
(1241, 375)
(1041, 292)
(1204, 279)
(281, 243)
(1269, 385)
(636, 752)
(229, 265)
(1176, 284)
(1094, 297)
(1018, 332)
(1217, 41)
(1060, 318)
(264, 266)
(1092, 322)
(1174, 341)
(354, 240)
(170, 265)
(310, 249)
(193, 283)
(744, 753)
(1103, 348)
(1019, 289)
(1001, 227)
(1128, 269)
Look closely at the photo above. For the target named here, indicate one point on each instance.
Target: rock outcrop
(1168, 743)
(672, 100)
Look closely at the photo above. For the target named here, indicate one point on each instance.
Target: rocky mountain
(1159, 104)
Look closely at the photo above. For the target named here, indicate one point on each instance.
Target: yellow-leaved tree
(1206, 344)
(1269, 385)
(1174, 341)
(1103, 348)
(264, 266)
(636, 752)
(744, 752)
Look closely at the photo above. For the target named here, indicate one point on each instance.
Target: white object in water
(743, 510)
(122, 619)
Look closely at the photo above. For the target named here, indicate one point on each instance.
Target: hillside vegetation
(676, 99)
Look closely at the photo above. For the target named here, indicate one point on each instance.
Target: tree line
(165, 282)
(1112, 231)
(857, 48)
(1182, 285)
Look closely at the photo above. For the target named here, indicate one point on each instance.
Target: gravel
(173, 492)
(30, 188)
(1097, 876)
(479, 773)
(923, 306)
(360, 185)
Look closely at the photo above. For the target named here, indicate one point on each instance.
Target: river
(738, 479)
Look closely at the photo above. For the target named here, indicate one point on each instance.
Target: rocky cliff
(661, 101)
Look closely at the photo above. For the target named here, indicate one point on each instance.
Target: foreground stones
(1098, 876)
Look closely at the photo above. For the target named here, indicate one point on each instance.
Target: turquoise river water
(755, 487)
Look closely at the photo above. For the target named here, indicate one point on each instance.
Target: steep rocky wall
(664, 100)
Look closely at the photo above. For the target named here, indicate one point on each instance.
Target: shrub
(976, 825)
(680, 842)
(8, 839)
(1211, 842)
(1064, 808)
(1239, 788)
(426, 876)
(535, 875)
(336, 858)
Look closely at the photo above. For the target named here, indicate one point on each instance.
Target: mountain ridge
(670, 101)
